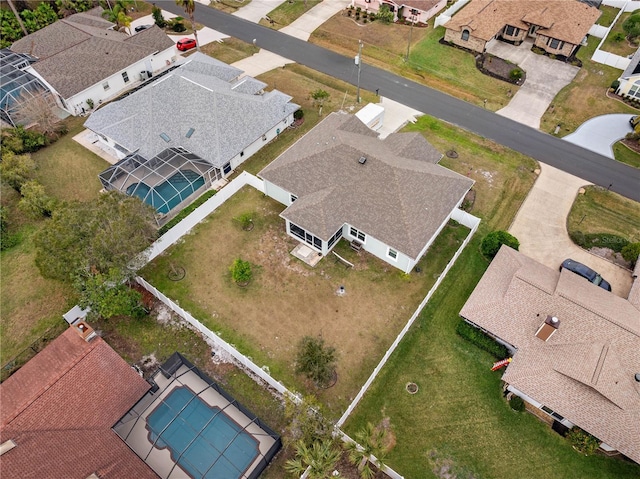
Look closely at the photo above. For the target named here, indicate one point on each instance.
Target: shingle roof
(585, 371)
(79, 51)
(567, 20)
(59, 409)
(200, 94)
(400, 196)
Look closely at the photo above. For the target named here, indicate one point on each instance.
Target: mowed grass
(230, 50)
(228, 6)
(622, 47)
(602, 211)
(607, 16)
(442, 67)
(288, 12)
(585, 97)
(288, 300)
(626, 155)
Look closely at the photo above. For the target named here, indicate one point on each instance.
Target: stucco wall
(625, 86)
(566, 50)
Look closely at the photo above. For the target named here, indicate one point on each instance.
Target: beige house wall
(475, 44)
(566, 50)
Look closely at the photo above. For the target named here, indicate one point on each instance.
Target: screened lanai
(164, 181)
(16, 85)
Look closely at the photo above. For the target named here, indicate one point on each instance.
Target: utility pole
(413, 18)
(359, 63)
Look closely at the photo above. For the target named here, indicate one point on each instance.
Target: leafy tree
(369, 441)
(241, 271)
(18, 140)
(631, 26)
(492, 242)
(631, 252)
(95, 237)
(316, 360)
(16, 170)
(384, 14)
(69, 7)
(117, 13)
(189, 8)
(7, 240)
(10, 30)
(307, 423)
(43, 15)
(17, 16)
(35, 201)
(320, 459)
(319, 96)
(159, 20)
(107, 295)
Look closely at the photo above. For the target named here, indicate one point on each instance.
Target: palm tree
(118, 13)
(189, 7)
(320, 458)
(369, 441)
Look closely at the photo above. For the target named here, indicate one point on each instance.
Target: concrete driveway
(257, 9)
(545, 78)
(206, 35)
(304, 26)
(540, 226)
(600, 133)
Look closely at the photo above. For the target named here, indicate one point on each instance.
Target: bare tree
(37, 110)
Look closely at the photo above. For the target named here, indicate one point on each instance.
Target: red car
(186, 44)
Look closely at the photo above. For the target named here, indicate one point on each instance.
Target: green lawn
(626, 155)
(621, 47)
(288, 12)
(607, 16)
(230, 50)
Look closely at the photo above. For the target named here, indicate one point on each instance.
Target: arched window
(465, 35)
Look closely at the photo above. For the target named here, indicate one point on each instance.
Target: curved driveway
(545, 148)
(600, 133)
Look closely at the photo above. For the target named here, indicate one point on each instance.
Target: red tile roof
(59, 409)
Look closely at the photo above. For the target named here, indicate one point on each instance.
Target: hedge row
(599, 240)
(481, 339)
(185, 212)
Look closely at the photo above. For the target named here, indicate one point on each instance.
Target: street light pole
(413, 18)
(359, 63)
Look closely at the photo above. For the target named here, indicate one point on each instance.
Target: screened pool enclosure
(165, 181)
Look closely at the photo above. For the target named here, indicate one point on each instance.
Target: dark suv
(586, 273)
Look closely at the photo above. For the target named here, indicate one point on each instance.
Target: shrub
(516, 403)
(618, 37)
(583, 441)
(157, 17)
(90, 103)
(481, 340)
(631, 252)
(316, 360)
(186, 212)
(7, 240)
(492, 242)
(178, 27)
(615, 84)
(599, 240)
(515, 74)
(245, 220)
(298, 114)
(384, 14)
(241, 271)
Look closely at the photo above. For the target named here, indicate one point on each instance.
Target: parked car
(634, 120)
(585, 272)
(186, 44)
(139, 28)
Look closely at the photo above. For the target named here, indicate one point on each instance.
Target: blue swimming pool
(170, 193)
(203, 440)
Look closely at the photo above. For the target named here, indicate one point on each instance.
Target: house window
(359, 235)
(391, 253)
(465, 35)
(555, 43)
(512, 31)
(551, 413)
(293, 198)
(305, 236)
(125, 77)
(106, 86)
(337, 235)
(634, 91)
(226, 168)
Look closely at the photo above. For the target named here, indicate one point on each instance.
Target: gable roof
(60, 407)
(400, 196)
(79, 51)
(566, 20)
(633, 69)
(585, 370)
(227, 114)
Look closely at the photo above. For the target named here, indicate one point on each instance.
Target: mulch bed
(498, 68)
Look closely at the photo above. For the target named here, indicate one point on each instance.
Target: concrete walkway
(600, 133)
(304, 26)
(545, 78)
(540, 226)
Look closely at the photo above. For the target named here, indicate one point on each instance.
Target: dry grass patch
(286, 299)
(230, 50)
(228, 6)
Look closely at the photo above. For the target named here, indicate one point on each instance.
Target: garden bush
(316, 360)
(241, 271)
(515, 74)
(631, 252)
(492, 242)
(481, 340)
(298, 114)
(615, 84)
(599, 240)
(185, 212)
(582, 441)
(516, 403)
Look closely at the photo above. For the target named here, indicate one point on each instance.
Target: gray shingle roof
(585, 371)
(79, 51)
(398, 197)
(226, 121)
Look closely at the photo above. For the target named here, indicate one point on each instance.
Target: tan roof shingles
(585, 371)
(400, 201)
(567, 20)
(60, 407)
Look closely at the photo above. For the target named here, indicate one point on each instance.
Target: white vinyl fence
(445, 16)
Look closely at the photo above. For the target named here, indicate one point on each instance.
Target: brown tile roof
(399, 197)
(585, 371)
(59, 409)
(75, 53)
(567, 20)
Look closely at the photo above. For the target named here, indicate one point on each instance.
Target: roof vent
(550, 326)
(362, 160)
(165, 137)
(190, 132)
(637, 376)
(7, 446)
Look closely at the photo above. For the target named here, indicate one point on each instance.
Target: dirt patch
(446, 468)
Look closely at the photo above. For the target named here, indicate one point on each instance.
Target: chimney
(546, 330)
(85, 331)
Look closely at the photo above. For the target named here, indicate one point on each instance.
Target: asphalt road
(553, 151)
